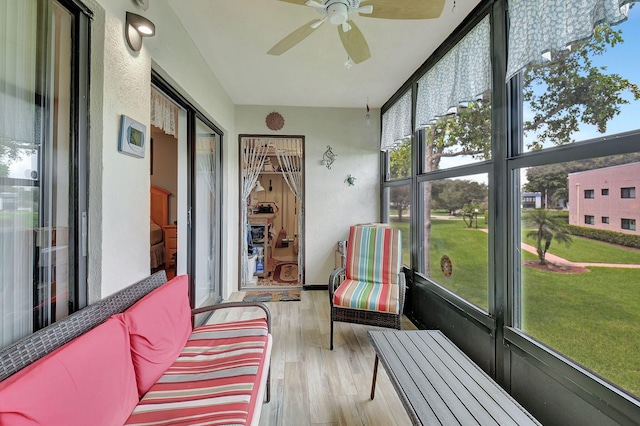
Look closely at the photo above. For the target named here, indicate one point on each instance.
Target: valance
(462, 75)
(542, 26)
(164, 113)
(396, 123)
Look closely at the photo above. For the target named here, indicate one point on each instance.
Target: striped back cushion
(373, 254)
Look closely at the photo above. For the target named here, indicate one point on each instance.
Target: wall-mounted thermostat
(132, 137)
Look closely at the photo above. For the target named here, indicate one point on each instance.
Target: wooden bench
(439, 385)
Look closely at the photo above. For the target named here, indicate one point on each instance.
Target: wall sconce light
(258, 187)
(329, 157)
(137, 27)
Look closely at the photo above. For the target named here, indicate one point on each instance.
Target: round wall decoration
(446, 266)
(275, 121)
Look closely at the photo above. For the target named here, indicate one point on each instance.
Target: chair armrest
(334, 283)
(260, 305)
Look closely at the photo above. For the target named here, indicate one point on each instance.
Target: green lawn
(593, 318)
(586, 250)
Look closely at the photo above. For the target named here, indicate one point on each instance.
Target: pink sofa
(147, 365)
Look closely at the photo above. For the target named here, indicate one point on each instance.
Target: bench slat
(439, 384)
(459, 399)
(411, 393)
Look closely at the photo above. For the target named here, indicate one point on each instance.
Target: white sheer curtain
(462, 75)
(19, 135)
(289, 154)
(542, 26)
(396, 123)
(207, 224)
(18, 81)
(164, 113)
(254, 152)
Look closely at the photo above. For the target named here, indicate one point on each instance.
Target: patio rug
(272, 296)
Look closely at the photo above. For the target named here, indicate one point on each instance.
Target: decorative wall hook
(329, 157)
(351, 180)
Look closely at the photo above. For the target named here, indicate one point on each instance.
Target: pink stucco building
(606, 198)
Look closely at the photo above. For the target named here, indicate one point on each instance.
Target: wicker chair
(370, 290)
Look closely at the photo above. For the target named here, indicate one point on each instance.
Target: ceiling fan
(337, 12)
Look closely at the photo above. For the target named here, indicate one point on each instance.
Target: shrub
(626, 240)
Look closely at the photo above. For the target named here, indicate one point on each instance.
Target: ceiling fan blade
(404, 9)
(315, 4)
(354, 43)
(294, 38)
(300, 2)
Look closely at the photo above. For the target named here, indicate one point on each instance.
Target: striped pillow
(215, 380)
(373, 254)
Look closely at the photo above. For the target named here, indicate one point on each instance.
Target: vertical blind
(396, 123)
(462, 75)
(542, 26)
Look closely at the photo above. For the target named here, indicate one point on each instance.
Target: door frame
(241, 224)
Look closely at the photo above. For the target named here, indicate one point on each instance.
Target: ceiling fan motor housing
(338, 10)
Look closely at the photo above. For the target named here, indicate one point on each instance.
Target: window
(399, 214)
(455, 240)
(588, 193)
(629, 224)
(605, 219)
(604, 191)
(43, 180)
(628, 192)
(589, 220)
(399, 161)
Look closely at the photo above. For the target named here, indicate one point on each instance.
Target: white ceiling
(235, 35)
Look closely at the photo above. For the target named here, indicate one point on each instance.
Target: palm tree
(547, 227)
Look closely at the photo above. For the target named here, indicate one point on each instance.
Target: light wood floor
(311, 385)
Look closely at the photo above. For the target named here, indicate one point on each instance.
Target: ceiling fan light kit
(337, 12)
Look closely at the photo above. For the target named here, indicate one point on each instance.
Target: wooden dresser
(170, 248)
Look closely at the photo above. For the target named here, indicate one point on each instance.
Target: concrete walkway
(552, 258)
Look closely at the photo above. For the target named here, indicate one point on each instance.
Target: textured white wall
(331, 205)
(120, 84)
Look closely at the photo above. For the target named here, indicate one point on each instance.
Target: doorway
(186, 163)
(272, 201)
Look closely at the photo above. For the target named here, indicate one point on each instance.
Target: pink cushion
(216, 379)
(159, 326)
(90, 380)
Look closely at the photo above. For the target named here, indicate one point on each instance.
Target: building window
(605, 219)
(605, 191)
(629, 224)
(628, 192)
(589, 193)
(589, 220)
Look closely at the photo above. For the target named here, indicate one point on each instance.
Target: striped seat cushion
(215, 379)
(367, 296)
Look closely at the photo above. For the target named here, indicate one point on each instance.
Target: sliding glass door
(42, 166)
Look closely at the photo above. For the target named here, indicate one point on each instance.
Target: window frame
(628, 192)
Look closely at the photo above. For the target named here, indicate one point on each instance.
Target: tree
(400, 161)
(457, 194)
(401, 197)
(569, 90)
(546, 228)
